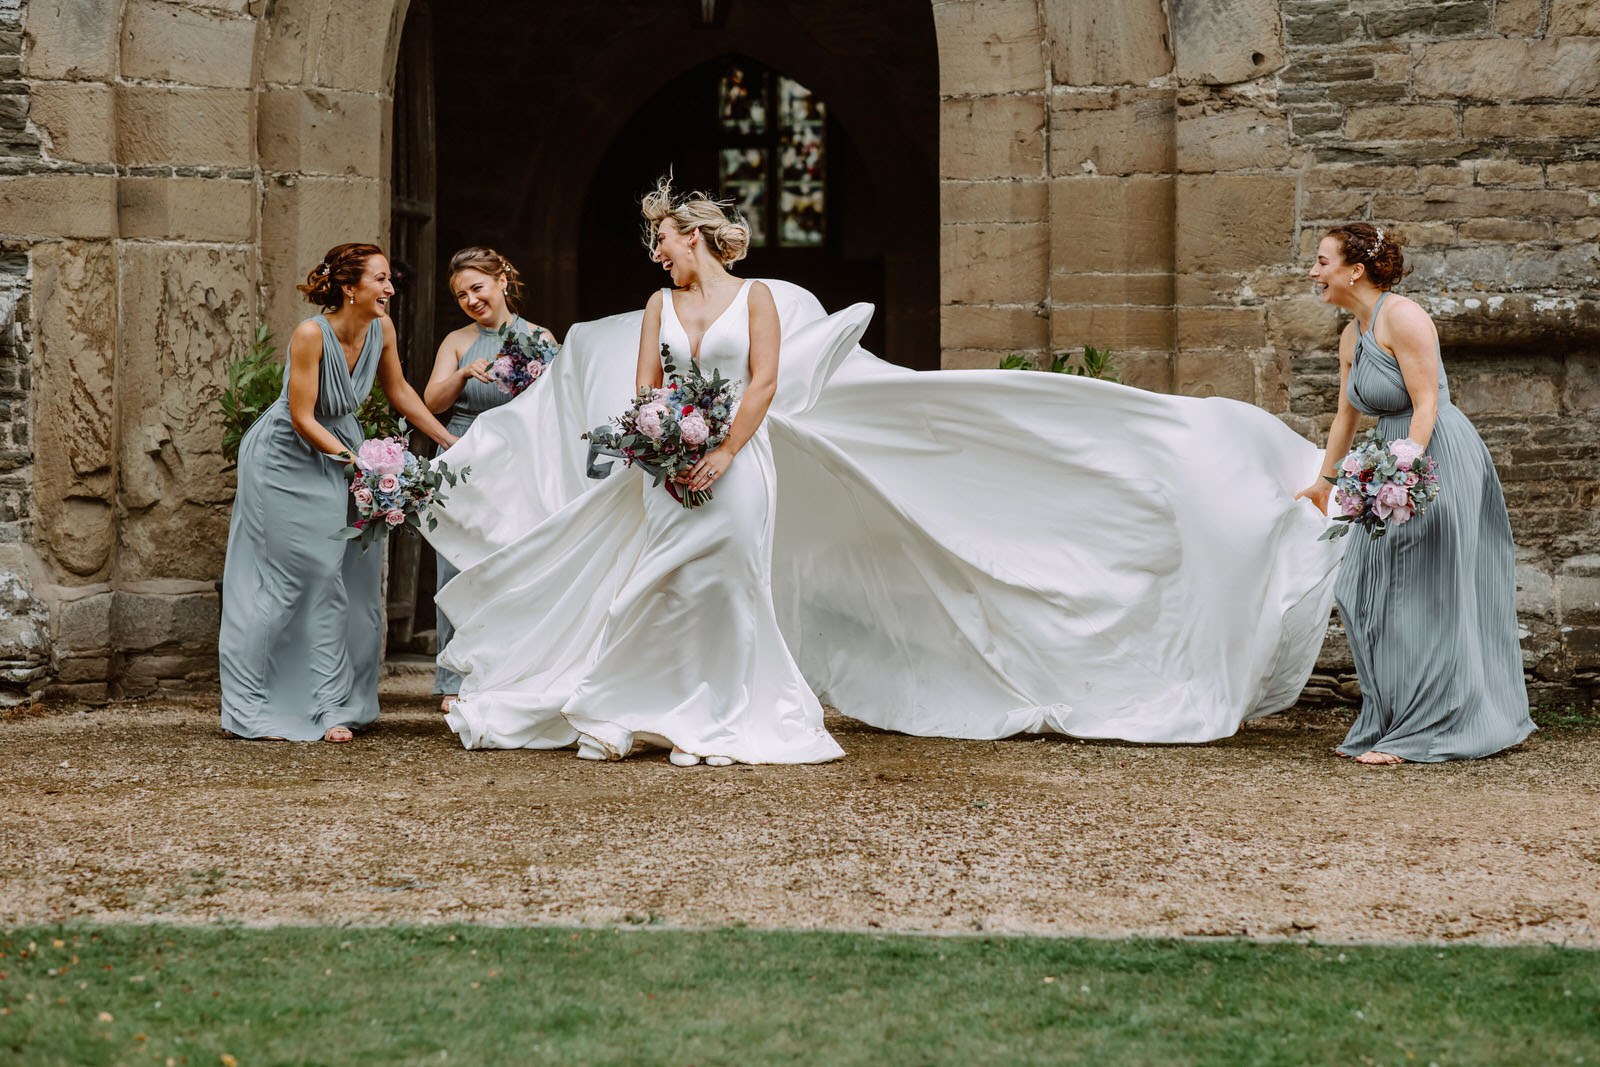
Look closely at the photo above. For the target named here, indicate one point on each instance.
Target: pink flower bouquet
(392, 488)
(1381, 484)
(665, 431)
(521, 360)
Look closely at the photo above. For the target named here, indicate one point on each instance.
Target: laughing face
(372, 294)
(1330, 273)
(674, 253)
(482, 296)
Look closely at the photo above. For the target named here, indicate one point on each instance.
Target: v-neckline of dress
(366, 340)
(694, 348)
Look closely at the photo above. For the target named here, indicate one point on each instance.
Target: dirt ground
(147, 811)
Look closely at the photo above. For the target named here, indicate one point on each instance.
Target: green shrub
(1096, 363)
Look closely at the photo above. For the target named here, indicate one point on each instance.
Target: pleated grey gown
(1431, 607)
(301, 618)
(476, 398)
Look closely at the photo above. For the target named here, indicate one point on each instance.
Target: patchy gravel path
(147, 811)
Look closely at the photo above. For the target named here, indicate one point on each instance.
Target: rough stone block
(158, 124)
(1221, 327)
(1111, 224)
(194, 209)
(992, 137)
(166, 42)
(1583, 175)
(1432, 177)
(1480, 203)
(1149, 290)
(1508, 230)
(1107, 44)
(77, 119)
(84, 669)
(1337, 205)
(1234, 221)
(59, 205)
(970, 326)
(73, 369)
(25, 642)
(1411, 123)
(85, 624)
(1127, 131)
(1362, 176)
(1510, 172)
(1235, 139)
(188, 312)
(1215, 373)
(360, 59)
(1581, 392)
(993, 263)
(1145, 370)
(1438, 19)
(315, 131)
(71, 39)
(1573, 18)
(989, 46)
(1112, 327)
(1302, 323)
(142, 621)
(1515, 18)
(979, 358)
(1531, 120)
(1220, 42)
(995, 201)
(291, 37)
(1499, 69)
(300, 219)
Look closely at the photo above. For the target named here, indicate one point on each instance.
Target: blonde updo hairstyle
(726, 234)
(343, 265)
(486, 260)
(1375, 248)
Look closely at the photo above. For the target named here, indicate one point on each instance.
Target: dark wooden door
(414, 253)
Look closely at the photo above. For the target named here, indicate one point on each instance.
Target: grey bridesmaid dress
(476, 398)
(301, 618)
(1431, 608)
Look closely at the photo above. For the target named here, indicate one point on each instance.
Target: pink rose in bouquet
(1350, 504)
(382, 456)
(1392, 502)
(1351, 464)
(693, 429)
(649, 419)
(1405, 451)
(395, 517)
(389, 483)
(363, 497)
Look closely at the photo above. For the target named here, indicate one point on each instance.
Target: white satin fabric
(966, 554)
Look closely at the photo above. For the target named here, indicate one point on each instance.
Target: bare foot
(447, 703)
(1340, 754)
(338, 735)
(1379, 759)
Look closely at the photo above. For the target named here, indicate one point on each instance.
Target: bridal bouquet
(521, 360)
(1382, 485)
(393, 487)
(665, 431)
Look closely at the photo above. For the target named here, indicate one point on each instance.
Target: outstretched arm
(1343, 430)
(764, 339)
(402, 396)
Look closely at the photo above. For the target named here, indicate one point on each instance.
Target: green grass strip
(89, 994)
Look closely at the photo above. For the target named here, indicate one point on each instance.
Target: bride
(968, 554)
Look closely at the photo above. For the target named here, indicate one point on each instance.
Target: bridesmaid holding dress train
(487, 287)
(301, 618)
(1430, 608)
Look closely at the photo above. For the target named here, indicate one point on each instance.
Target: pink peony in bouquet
(1381, 484)
(392, 487)
(521, 360)
(665, 431)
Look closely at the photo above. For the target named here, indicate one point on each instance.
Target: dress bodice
(1376, 385)
(477, 397)
(725, 346)
(341, 389)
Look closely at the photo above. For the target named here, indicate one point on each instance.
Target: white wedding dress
(967, 554)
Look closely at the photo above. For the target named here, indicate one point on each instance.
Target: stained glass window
(773, 157)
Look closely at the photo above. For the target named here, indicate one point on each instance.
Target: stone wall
(1155, 179)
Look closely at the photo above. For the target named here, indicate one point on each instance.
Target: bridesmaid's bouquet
(392, 488)
(665, 431)
(1381, 485)
(521, 360)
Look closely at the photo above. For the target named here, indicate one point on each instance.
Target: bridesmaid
(487, 287)
(301, 618)
(1430, 608)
